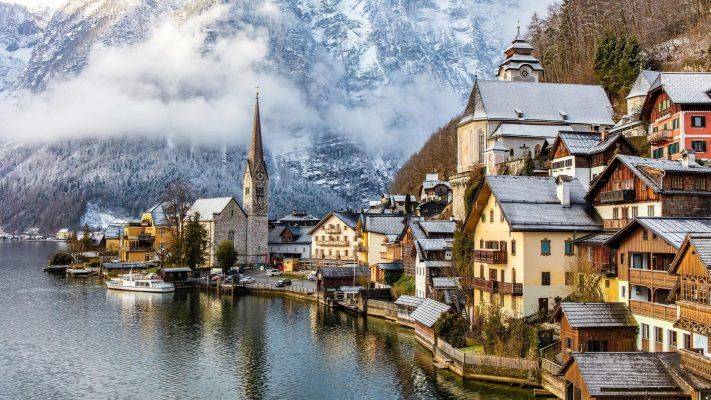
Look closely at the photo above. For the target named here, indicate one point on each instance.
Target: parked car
(229, 280)
(216, 272)
(279, 283)
(247, 279)
(312, 277)
(273, 272)
(286, 282)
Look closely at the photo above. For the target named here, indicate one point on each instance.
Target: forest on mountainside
(603, 42)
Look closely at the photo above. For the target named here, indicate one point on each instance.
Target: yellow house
(523, 230)
(376, 233)
(112, 236)
(334, 237)
(140, 241)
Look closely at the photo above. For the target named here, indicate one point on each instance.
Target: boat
(140, 283)
(80, 272)
(56, 269)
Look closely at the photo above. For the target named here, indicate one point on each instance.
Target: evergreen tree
(226, 255)
(408, 205)
(196, 242)
(618, 60)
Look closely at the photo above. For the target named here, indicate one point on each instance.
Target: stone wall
(257, 239)
(232, 219)
(686, 206)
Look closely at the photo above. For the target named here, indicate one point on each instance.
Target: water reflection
(62, 338)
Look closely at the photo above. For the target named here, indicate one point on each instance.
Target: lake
(71, 338)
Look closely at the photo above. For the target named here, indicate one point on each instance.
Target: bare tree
(176, 200)
(584, 281)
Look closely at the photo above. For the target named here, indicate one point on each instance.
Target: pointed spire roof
(255, 157)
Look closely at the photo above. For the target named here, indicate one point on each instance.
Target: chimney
(604, 134)
(563, 190)
(688, 158)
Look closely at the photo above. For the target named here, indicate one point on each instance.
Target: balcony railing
(359, 248)
(654, 310)
(614, 223)
(694, 360)
(651, 278)
(661, 136)
(490, 256)
(333, 229)
(145, 237)
(140, 248)
(693, 314)
(617, 196)
(514, 289)
(332, 243)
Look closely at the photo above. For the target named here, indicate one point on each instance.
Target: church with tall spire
(255, 195)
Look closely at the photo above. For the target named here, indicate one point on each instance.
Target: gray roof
(443, 282)
(344, 272)
(685, 87)
(429, 312)
(207, 208)
(532, 204)
(498, 100)
(702, 243)
(434, 244)
(392, 266)
(438, 264)
(158, 214)
(124, 265)
(409, 301)
(598, 315)
(594, 238)
(298, 217)
(674, 230)
(113, 231)
(300, 232)
(643, 83)
(388, 224)
(348, 217)
(632, 374)
(587, 143)
(178, 269)
(438, 227)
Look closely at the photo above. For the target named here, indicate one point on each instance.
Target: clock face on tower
(525, 72)
(260, 176)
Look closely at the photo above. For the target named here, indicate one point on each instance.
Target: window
(615, 213)
(545, 247)
(645, 332)
(650, 211)
(671, 339)
(677, 182)
(569, 248)
(624, 213)
(481, 243)
(635, 211)
(699, 146)
(545, 278)
(698, 121)
(481, 271)
(675, 123)
(231, 236)
(246, 190)
(483, 217)
(658, 335)
(491, 215)
(622, 258)
(568, 343)
(260, 191)
(645, 234)
(700, 184)
(687, 341)
(481, 146)
(623, 291)
(597, 345)
(658, 152)
(513, 247)
(568, 278)
(673, 148)
(501, 216)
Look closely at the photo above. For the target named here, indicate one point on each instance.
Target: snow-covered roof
(208, 208)
(500, 100)
(685, 87)
(529, 130)
(641, 85)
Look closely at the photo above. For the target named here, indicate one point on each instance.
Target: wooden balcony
(614, 223)
(513, 289)
(617, 196)
(693, 360)
(490, 256)
(650, 278)
(654, 310)
(661, 136)
(695, 317)
(359, 248)
(332, 243)
(332, 230)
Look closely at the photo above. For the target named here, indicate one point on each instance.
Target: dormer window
(519, 113)
(563, 115)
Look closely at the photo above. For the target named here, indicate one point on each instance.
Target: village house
(63, 234)
(289, 242)
(224, 220)
(112, 237)
(632, 376)
(427, 253)
(523, 230)
(425, 317)
(692, 265)
(644, 250)
(329, 280)
(375, 232)
(584, 155)
(435, 195)
(147, 239)
(297, 218)
(631, 125)
(678, 108)
(518, 116)
(594, 257)
(334, 237)
(591, 327)
(633, 187)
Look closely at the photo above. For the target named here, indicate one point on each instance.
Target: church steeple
(255, 157)
(520, 64)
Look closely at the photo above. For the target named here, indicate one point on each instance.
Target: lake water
(69, 338)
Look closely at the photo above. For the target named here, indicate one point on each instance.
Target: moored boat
(56, 269)
(140, 283)
(79, 272)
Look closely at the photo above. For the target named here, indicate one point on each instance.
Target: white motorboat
(140, 283)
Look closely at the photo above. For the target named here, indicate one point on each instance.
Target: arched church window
(537, 150)
(482, 144)
(231, 236)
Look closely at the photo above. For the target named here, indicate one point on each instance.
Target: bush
(404, 285)
(226, 255)
(452, 328)
(503, 335)
(61, 258)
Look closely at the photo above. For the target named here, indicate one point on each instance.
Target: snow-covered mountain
(355, 86)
